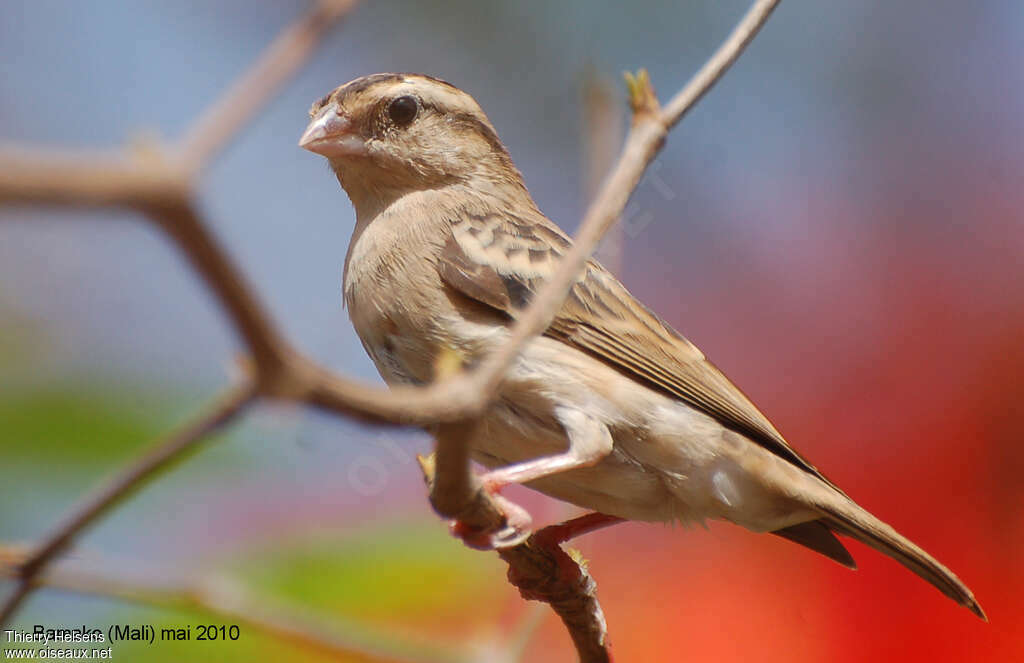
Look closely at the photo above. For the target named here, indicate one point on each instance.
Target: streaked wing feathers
(501, 260)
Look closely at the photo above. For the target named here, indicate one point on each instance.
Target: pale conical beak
(331, 134)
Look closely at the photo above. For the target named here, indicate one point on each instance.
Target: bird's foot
(516, 521)
(515, 527)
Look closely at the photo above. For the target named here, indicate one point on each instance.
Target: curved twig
(253, 89)
(124, 483)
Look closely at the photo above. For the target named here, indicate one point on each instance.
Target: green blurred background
(838, 225)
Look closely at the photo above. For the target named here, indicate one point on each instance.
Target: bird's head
(388, 134)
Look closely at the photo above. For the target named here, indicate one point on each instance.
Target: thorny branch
(162, 190)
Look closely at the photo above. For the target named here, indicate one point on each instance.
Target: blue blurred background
(838, 225)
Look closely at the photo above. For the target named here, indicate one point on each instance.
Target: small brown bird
(610, 409)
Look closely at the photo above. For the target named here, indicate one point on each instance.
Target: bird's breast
(398, 305)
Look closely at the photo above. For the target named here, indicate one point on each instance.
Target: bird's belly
(682, 476)
(669, 462)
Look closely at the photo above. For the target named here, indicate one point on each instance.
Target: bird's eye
(403, 110)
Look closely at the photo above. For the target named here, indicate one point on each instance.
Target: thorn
(428, 465)
(642, 99)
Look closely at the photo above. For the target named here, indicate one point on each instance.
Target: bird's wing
(501, 261)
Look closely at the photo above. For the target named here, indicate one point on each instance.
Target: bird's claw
(514, 530)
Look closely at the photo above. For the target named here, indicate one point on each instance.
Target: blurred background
(839, 225)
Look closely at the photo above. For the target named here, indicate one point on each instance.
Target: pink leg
(575, 527)
(589, 443)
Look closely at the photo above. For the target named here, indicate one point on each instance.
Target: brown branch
(537, 567)
(542, 571)
(251, 91)
(208, 258)
(455, 492)
(232, 603)
(719, 63)
(122, 485)
(82, 180)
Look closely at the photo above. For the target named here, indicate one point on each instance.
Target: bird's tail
(845, 517)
